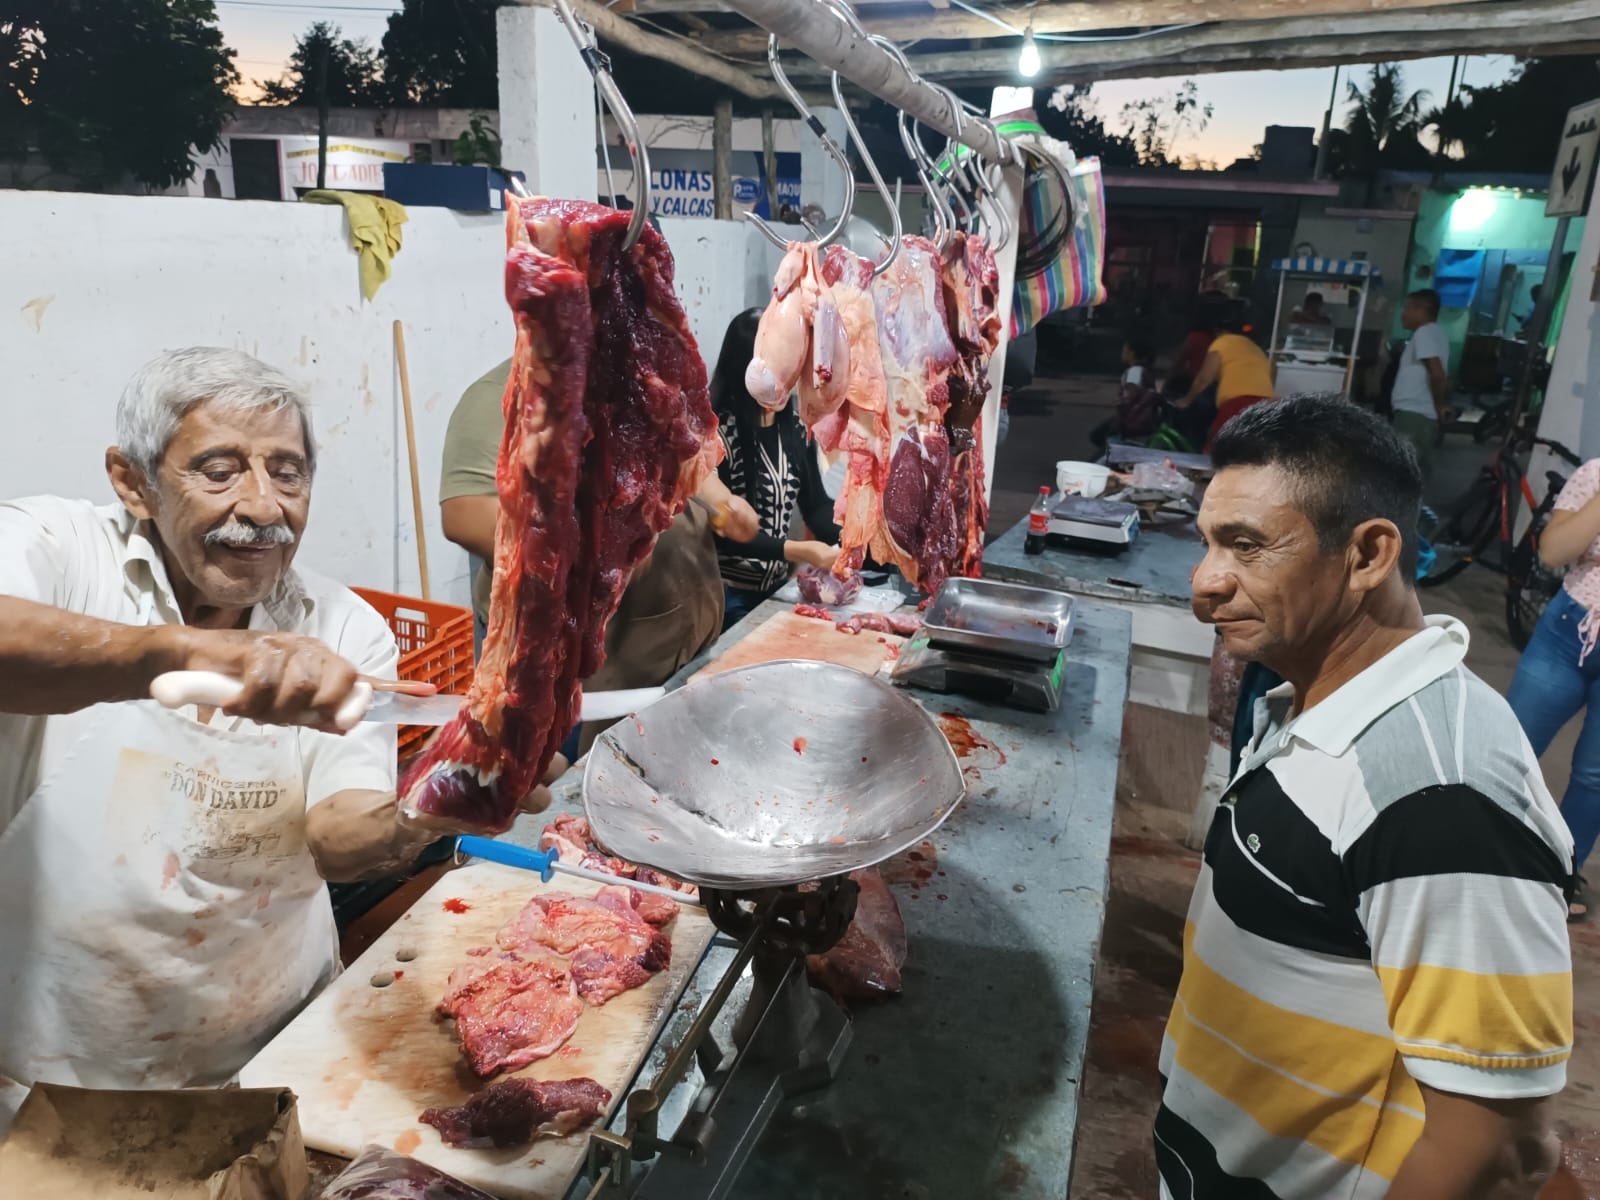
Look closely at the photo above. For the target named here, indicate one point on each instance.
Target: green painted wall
(1497, 219)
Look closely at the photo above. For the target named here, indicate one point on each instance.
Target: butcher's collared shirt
(98, 562)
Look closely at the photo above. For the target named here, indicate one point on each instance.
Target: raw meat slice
(608, 432)
(382, 1174)
(612, 947)
(865, 965)
(511, 1013)
(569, 835)
(902, 624)
(783, 338)
(514, 1112)
(572, 836)
(813, 611)
(824, 587)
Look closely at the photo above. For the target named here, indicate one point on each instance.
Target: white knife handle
(211, 689)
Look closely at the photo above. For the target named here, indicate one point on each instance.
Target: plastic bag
(381, 1174)
(824, 587)
(1161, 477)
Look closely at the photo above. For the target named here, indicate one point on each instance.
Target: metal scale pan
(771, 775)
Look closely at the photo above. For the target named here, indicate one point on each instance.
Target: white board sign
(1574, 169)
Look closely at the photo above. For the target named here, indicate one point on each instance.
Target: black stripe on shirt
(1189, 1166)
(1450, 830)
(1277, 876)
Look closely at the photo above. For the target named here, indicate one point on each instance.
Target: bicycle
(1460, 534)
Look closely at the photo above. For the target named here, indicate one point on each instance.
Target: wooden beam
(1502, 29)
(769, 161)
(1081, 16)
(619, 31)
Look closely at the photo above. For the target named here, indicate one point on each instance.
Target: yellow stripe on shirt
(1493, 1021)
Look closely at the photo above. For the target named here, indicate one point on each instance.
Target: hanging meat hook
(844, 13)
(599, 65)
(828, 144)
(944, 218)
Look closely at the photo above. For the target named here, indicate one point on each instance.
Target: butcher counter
(967, 1084)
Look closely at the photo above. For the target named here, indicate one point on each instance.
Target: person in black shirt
(772, 465)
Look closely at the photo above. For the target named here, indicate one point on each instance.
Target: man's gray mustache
(245, 534)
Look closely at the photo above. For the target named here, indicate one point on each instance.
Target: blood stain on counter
(407, 1142)
(800, 745)
(915, 867)
(965, 740)
(453, 905)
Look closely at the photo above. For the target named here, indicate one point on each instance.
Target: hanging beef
(608, 432)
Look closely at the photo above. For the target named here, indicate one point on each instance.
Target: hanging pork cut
(608, 432)
(915, 343)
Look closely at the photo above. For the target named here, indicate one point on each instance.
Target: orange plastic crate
(435, 647)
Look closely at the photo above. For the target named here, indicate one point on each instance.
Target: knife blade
(209, 688)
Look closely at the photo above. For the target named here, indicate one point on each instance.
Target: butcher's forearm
(359, 835)
(53, 661)
(469, 522)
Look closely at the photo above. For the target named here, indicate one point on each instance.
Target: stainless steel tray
(988, 617)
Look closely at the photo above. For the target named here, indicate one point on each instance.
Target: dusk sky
(263, 32)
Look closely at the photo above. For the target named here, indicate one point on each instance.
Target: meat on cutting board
(571, 836)
(383, 1174)
(514, 1112)
(866, 963)
(608, 432)
(511, 1011)
(611, 946)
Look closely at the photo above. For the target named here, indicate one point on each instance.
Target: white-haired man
(162, 901)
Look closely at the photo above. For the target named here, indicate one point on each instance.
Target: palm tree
(1383, 121)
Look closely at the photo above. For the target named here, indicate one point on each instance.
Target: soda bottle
(1038, 524)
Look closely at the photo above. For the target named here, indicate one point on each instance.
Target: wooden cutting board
(789, 636)
(365, 1059)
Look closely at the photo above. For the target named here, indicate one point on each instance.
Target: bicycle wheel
(1530, 585)
(1461, 532)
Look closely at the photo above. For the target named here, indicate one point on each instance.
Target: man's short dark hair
(1429, 299)
(1313, 299)
(1348, 465)
(1144, 350)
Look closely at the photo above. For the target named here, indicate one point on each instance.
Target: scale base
(791, 1039)
(1017, 683)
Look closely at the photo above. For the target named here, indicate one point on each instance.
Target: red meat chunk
(608, 432)
(510, 1012)
(866, 963)
(514, 1112)
(612, 947)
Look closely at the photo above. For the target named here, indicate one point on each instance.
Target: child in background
(1138, 404)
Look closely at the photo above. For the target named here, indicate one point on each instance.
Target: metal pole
(322, 115)
(1327, 125)
(1355, 337)
(1539, 326)
(769, 162)
(1277, 314)
(813, 27)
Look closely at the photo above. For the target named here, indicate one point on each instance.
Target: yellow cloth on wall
(374, 232)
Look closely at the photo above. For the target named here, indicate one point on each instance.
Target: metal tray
(988, 617)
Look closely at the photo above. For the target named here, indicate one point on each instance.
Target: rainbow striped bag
(1072, 277)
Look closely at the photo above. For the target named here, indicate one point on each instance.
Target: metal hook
(843, 12)
(600, 68)
(828, 144)
(943, 217)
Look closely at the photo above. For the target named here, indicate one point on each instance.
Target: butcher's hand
(811, 554)
(288, 679)
(740, 522)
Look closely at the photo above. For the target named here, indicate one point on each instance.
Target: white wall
(1567, 416)
(92, 286)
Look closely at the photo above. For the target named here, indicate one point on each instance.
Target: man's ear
(1374, 553)
(135, 492)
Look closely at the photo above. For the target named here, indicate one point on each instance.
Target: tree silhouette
(354, 75)
(1384, 124)
(1516, 125)
(1157, 124)
(442, 53)
(103, 90)
(1068, 114)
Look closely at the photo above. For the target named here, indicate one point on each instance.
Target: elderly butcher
(163, 910)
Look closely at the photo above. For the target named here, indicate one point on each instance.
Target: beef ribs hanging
(608, 432)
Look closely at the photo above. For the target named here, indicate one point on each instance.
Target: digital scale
(1106, 525)
(1001, 642)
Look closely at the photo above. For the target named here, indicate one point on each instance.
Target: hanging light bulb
(1028, 60)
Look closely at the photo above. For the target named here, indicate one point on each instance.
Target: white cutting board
(366, 1060)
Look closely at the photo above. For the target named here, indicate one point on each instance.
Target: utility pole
(322, 114)
(1327, 125)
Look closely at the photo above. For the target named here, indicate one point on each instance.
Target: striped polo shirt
(1382, 904)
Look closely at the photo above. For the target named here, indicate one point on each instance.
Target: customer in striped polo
(1377, 994)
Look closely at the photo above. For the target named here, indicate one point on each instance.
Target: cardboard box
(236, 1144)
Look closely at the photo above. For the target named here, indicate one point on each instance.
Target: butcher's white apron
(160, 915)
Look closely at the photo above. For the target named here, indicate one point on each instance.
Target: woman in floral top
(1559, 675)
